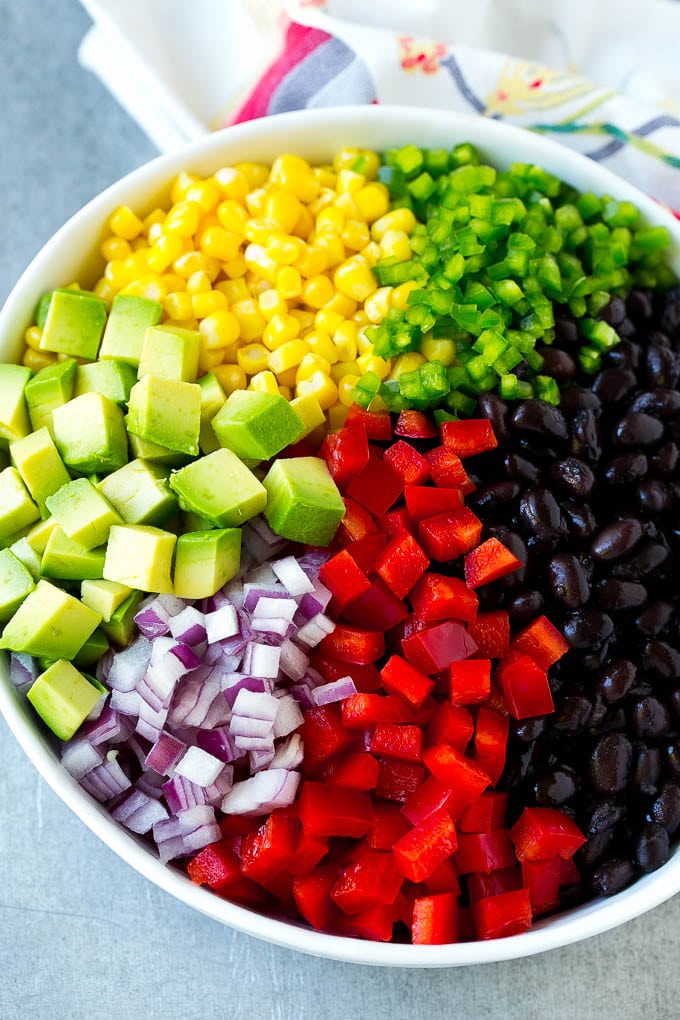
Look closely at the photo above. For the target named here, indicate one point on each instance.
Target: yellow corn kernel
(312, 261)
(155, 231)
(250, 319)
(372, 363)
(115, 248)
(294, 174)
(373, 201)
(342, 368)
(325, 198)
(341, 304)
(255, 173)
(230, 378)
(173, 282)
(331, 247)
(232, 182)
(320, 343)
(271, 303)
(355, 235)
(281, 210)
(177, 305)
(155, 216)
(287, 378)
(280, 330)
(326, 176)
(363, 343)
(348, 206)
(230, 353)
(345, 389)
(150, 287)
(264, 382)
(321, 386)
(234, 290)
(188, 323)
(401, 293)
(395, 244)
(304, 318)
(396, 219)
(304, 224)
(310, 364)
(255, 201)
(104, 290)
(354, 278)
(208, 302)
(166, 249)
(183, 219)
(257, 285)
(287, 356)
(317, 291)
(233, 216)
(219, 329)
(205, 193)
(124, 223)
(260, 263)
(32, 337)
(181, 185)
(329, 220)
(361, 318)
(258, 231)
(349, 181)
(406, 363)
(289, 282)
(209, 358)
(188, 263)
(309, 411)
(198, 283)
(345, 159)
(138, 243)
(345, 341)
(337, 415)
(37, 359)
(283, 248)
(371, 253)
(219, 243)
(441, 350)
(235, 267)
(115, 274)
(252, 358)
(327, 320)
(378, 304)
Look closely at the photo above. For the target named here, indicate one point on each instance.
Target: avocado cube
(104, 596)
(309, 411)
(24, 551)
(303, 501)
(42, 470)
(194, 522)
(83, 514)
(74, 324)
(49, 388)
(113, 379)
(91, 652)
(212, 400)
(43, 306)
(50, 623)
(66, 560)
(205, 560)
(141, 557)
(129, 320)
(39, 534)
(90, 434)
(170, 352)
(17, 509)
(14, 421)
(63, 698)
(255, 425)
(140, 493)
(221, 488)
(121, 628)
(167, 412)
(16, 584)
(143, 450)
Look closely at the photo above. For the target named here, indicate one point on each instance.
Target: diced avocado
(256, 425)
(63, 698)
(205, 560)
(17, 509)
(49, 388)
(221, 488)
(303, 502)
(37, 460)
(66, 560)
(24, 551)
(144, 450)
(121, 628)
(16, 584)
(140, 493)
(90, 434)
(14, 422)
(167, 412)
(113, 379)
(194, 522)
(141, 557)
(170, 352)
(10, 540)
(74, 324)
(43, 306)
(39, 534)
(129, 320)
(104, 596)
(49, 622)
(212, 399)
(83, 514)
(91, 652)
(309, 411)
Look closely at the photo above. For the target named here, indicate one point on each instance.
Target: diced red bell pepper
(324, 735)
(488, 562)
(415, 425)
(491, 631)
(428, 798)
(499, 916)
(491, 741)
(373, 881)
(410, 465)
(363, 711)
(356, 771)
(543, 833)
(432, 650)
(366, 678)
(398, 780)
(389, 825)
(216, 866)
(488, 813)
(352, 644)
(444, 878)
(376, 487)
(396, 522)
(423, 501)
(401, 564)
(446, 469)
(377, 423)
(309, 852)
(313, 896)
(470, 681)
(271, 849)
(542, 642)
(343, 578)
(470, 437)
(422, 849)
(569, 873)
(450, 725)
(405, 743)
(447, 536)
(437, 597)
(344, 813)
(453, 769)
(346, 454)
(542, 880)
(435, 920)
(495, 883)
(400, 677)
(281, 887)
(378, 608)
(356, 524)
(484, 851)
(526, 690)
(366, 550)
(375, 924)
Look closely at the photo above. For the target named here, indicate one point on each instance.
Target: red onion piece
(288, 716)
(180, 794)
(139, 812)
(263, 792)
(289, 754)
(129, 665)
(188, 626)
(23, 670)
(217, 742)
(165, 753)
(236, 682)
(292, 662)
(315, 630)
(79, 757)
(261, 660)
(315, 602)
(338, 690)
(126, 702)
(292, 576)
(152, 620)
(259, 759)
(221, 624)
(199, 767)
(110, 727)
(171, 604)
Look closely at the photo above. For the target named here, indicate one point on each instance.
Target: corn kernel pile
(273, 266)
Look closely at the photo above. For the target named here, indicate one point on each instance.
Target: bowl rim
(271, 134)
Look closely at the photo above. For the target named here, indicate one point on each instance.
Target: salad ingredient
(42, 470)
(220, 488)
(140, 556)
(17, 509)
(73, 325)
(90, 434)
(14, 421)
(16, 583)
(303, 503)
(48, 389)
(166, 412)
(129, 318)
(256, 426)
(63, 697)
(49, 624)
(170, 352)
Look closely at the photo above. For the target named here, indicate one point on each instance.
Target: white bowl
(72, 254)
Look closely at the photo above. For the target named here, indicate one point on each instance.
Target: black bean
(566, 330)
(616, 540)
(674, 701)
(626, 354)
(614, 719)
(628, 467)
(580, 520)
(671, 758)
(665, 461)
(646, 769)
(539, 420)
(519, 467)
(662, 367)
(588, 628)
(525, 607)
(610, 763)
(557, 787)
(650, 718)
(670, 314)
(655, 618)
(591, 660)
(605, 815)
(578, 398)
(614, 312)
(637, 429)
(651, 847)
(639, 305)
(666, 808)
(528, 730)
(541, 514)
(661, 660)
(585, 442)
(567, 581)
(653, 497)
(616, 679)
(660, 403)
(573, 477)
(496, 410)
(614, 595)
(594, 850)
(491, 497)
(573, 713)
(558, 364)
(612, 876)
(613, 384)
(656, 338)
(648, 559)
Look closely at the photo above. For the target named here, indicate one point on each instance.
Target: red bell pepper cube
(428, 798)
(423, 501)
(309, 852)
(378, 608)
(468, 438)
(269, 850)
(388, 826)
(364, 711)
(569, 873)
(366, 550)
(435, 920)
(542, 642)
(376, 487)
(491, 741)
(422, 849)
(452, 725)
(438, 597)
(343, 578)
(543, 833)
(444, 878)
(324, 735)
(312, 894)
(491, 631)
(415, 425)
(494, 883)
(375, 924)
(216, 866)
(499, 916)
(352, 644)
(542, 880)
(355, 771)
(398, 780)
(346, 454)
(488, 562)
(432, 650)
(488, 813)
(446, 470)
(400, 677)
(366, 678)
(281, 887)
(303, 448)
(377, 423)
(410, 465)
(401, 564)
(448, 535)
(373, 881)
(470, 681)
(484, 851)
(344, 813)
(526, 690)
(405, 743)
(453, 769)
(396, 522)
(234, 826)
(356, 524)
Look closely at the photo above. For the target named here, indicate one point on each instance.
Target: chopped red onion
(276, 608)
(188, 626)
(288, 716)
(152, 619)
(221, 624)
(171, 604)
(180, 793)
(293, 662)
(338, 690)
(303, 695)
(315, 630)
(186, 832)
(104, 665)
(289, 754)
(271, 627)
(110, 727)
(106, 780)
(199, 767)
(218, 714)
(23, 670)
(292, 576)
(151, 784)
(79, 757)
(129, 665)
(217, 742)
(165, 753)
(236, 682)
(196, 840)
(260, 541)
(261, 660)
(139, 812)
(312, 561)
(151, 721)
(252, 593)
(260, 758)
(126, 702)
(216, 792)
(263, 792)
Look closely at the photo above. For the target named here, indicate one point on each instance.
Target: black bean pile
(587, 495)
